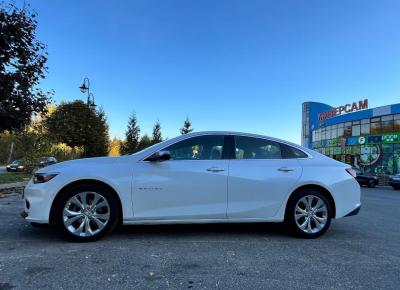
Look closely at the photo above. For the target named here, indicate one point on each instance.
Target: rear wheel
(87, 213)
(396, 187)
(309, 214)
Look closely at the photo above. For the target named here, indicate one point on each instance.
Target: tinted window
(198, 148)
(289, 152)
(255, 148)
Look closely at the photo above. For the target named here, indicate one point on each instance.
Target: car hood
(87, 162)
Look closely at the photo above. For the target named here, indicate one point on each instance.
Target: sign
(351, 141)
(374, 139)
(333, 142)
(348, 108)
(391, 138)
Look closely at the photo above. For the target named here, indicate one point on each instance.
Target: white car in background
(202, 177)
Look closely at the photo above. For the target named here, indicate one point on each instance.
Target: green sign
(333, 142)
(391, 138)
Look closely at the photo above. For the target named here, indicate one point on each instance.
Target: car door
(259, 178)
(191, 185)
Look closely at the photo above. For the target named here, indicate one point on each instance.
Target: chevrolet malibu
(203, 177)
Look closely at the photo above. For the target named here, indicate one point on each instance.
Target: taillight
(352, 172)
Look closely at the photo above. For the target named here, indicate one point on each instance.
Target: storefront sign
(333, 142)
(374, 139)
(348, 108)
(391, 138)
(351, 141)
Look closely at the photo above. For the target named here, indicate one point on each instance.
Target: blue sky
(228, 65)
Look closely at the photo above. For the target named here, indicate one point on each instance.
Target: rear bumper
(354, 211)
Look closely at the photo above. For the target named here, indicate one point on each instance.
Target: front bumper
(37, 200)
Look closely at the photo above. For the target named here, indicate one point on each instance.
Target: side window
(289, 152)
(256, 148)
(198, 148)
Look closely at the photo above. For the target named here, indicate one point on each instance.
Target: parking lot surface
(361, 252)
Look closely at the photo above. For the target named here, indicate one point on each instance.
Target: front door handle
(215, 169)
(286, 169)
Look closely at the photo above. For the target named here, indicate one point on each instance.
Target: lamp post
(85, 88)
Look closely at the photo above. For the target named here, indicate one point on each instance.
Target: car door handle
(215, 169)
(286, 169)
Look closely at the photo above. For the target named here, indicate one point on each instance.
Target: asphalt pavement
(361, 252)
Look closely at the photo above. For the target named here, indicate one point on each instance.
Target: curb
(12, 185)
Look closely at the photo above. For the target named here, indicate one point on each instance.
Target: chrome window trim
(216, 133)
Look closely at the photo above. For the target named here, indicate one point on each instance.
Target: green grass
(10, 177)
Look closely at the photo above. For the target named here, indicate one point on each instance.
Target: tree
(187, 127)
(33, 145)
(144, 142)
(132, 136)
(115, 147)
(157, 138)
(22, 65)
(76, 125)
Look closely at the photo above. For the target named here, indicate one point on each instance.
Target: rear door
(259, 178)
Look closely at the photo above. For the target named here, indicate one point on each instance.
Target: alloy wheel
(311, 214)
(86, 214)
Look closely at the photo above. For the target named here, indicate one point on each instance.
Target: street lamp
(85, 87)
(91, 103)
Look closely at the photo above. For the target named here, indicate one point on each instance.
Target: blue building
(366, 138)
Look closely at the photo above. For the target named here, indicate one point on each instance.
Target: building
(366, 138)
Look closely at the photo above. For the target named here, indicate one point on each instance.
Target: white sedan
(202, 177)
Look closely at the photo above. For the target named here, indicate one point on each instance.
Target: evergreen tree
(187, 127)
(144, 142)
(132, 136)
(157, 138)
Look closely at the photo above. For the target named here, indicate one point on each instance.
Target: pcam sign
(348, 108)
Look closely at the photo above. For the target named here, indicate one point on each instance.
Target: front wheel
(308, 214)
(87, 212)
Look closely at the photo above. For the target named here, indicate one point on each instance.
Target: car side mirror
(159, 156)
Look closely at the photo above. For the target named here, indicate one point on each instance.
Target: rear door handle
(286, 169)
(215, 169)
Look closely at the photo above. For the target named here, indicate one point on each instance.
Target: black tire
(88, 187)
(290, 220)
(371, 183)
(396, 187)
(39, 226)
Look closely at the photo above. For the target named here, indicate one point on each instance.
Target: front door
(191, 185)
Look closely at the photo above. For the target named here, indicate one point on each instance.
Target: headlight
(20, 167)
(43, 177)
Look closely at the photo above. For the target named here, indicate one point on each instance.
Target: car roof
(242, 134)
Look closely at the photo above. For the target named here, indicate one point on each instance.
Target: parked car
(16, 165)
(202, 177)
(394, 181)
(366, 179)
(46, 161)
